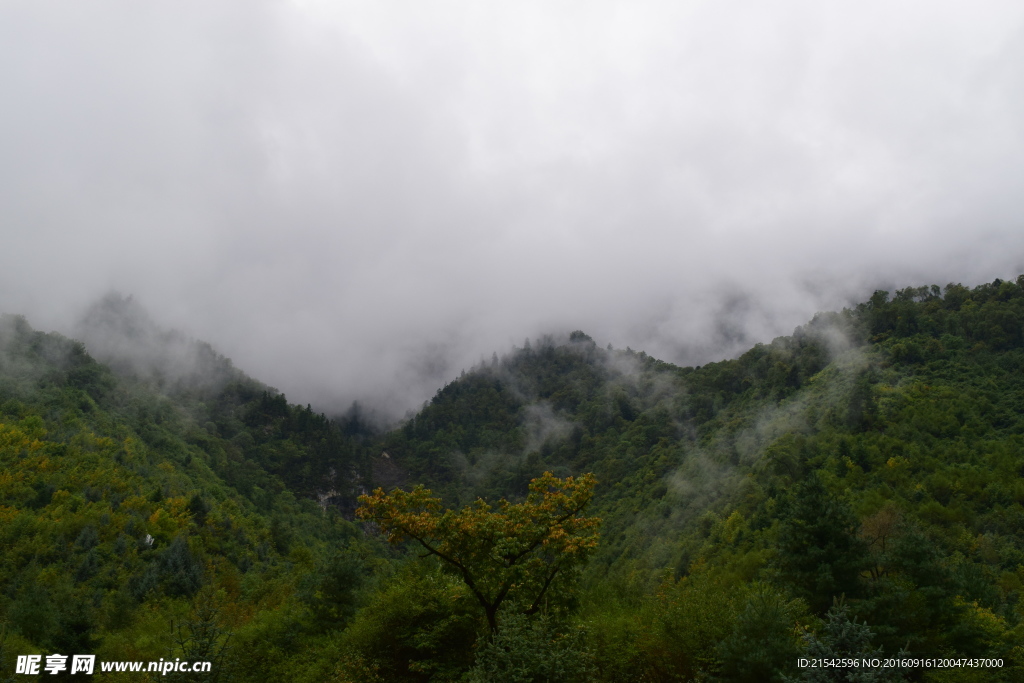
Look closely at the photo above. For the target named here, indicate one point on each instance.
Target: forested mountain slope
(854, 489)
(875, 454)
(127, 501)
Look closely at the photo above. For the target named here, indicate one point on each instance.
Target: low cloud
(359, 200)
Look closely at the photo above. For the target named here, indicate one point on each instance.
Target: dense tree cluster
(126, 509)
(854, 488)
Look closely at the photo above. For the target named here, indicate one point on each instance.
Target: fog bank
(358, 200)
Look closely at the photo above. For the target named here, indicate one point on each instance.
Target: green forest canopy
(862, 476)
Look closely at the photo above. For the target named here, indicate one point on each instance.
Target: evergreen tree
(819, 554)
(844, 638)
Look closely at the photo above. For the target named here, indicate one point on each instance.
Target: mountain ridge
(871, 457)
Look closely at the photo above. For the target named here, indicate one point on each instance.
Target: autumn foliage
(509, 554)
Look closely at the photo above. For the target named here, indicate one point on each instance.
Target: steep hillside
(128, 505)
(852, 490)
(874, 456)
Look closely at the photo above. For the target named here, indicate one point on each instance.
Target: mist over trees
(851, 490)
(355, 200)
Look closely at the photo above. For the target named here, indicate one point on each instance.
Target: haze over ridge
(358, 200)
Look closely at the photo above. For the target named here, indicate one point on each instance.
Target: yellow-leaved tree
(510, 554)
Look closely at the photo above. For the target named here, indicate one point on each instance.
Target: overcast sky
(360, 199)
